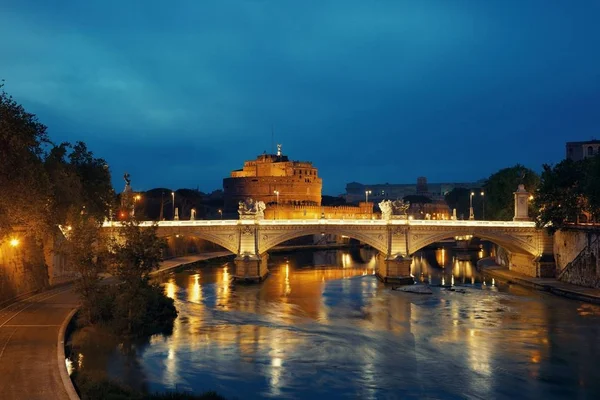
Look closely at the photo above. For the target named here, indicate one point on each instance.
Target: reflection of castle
(272, 178)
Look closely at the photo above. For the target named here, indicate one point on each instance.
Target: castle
(273, 179)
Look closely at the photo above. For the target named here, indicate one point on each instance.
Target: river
(322, 325)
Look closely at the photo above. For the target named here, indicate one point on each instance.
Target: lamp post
(367, 193)
(136, 198)
(483, 205)
(471, 215)
(277, 194)
(173, 195)
(221, 213)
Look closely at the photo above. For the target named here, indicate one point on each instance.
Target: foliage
(499, 189)
(84, 255)
(25, 185)
(567, 190)
(333, 201)
(43, 188)
(91, 387)
(458, 198)
(139, 307)
(416, 199)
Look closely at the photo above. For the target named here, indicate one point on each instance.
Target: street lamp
(173, 195)
(136, 198)
(221, 212)
(367, 193)
(471, 215)
(277, 194)
(483, 204)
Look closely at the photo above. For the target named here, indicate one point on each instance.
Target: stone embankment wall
(577, 252)
(22, 268)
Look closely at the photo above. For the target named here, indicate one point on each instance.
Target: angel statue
(386, 209)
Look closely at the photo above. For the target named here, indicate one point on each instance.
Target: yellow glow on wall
(14, 242)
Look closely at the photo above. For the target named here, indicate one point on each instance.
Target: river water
(323, 326)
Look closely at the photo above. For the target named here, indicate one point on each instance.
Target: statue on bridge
(386, 209)
(393, 209)
(400, 207)
(250, 209)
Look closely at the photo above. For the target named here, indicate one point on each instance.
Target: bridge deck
(323, 221)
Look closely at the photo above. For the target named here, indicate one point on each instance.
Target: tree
(592, 186)
(499, 189)
(24, 182)
(458, 198)
(140, 307)
(85, 254)
(562, 193)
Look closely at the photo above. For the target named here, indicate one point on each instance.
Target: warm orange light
(138, 197)
(531, 197)
(14, 242)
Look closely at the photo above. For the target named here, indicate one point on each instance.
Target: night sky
(180, 93)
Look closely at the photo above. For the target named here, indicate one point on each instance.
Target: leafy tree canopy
(568, 190)
(499, 189)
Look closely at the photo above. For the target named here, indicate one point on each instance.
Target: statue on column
(127, 195)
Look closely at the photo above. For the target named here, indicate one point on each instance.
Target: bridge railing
(323, 221)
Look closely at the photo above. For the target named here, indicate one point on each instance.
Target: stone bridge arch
(270, 237)
(227, 239)
(515, 242)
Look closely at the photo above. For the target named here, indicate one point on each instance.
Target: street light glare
(14, 242)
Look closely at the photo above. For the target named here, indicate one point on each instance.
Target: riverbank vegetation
(569, 193)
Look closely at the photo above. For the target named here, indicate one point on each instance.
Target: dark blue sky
(180, 93)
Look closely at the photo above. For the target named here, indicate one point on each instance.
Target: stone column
(250, 267)
(394, 269)
(521, 204)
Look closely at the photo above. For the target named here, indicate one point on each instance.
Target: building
(577, 151)
(273, 179)
(356, 192)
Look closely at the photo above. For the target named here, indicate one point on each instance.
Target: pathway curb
(62, 367)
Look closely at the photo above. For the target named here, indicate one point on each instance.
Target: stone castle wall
(291, 190)
(286, 211)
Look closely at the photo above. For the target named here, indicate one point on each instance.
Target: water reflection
(322, 325)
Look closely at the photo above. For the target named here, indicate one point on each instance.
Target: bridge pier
(394, 269)
(251, 267)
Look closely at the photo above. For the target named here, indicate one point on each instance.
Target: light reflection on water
(322, 325)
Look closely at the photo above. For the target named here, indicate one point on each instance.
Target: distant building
(273, 178)
(355, 191)
(577, 151)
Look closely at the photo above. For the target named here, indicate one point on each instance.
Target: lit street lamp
(483, 204)
(221, 212)
(173, 195)
(471, 215)
(367, 193)
(277, 194)
(136, 198)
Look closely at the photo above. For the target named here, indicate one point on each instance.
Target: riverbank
(32, 361)
(551, 285)
(181, 262)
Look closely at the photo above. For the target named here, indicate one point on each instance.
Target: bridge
(530, 250)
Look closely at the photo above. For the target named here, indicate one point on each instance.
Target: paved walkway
(32, 360)
(548, 284)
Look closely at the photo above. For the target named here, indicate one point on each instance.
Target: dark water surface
(323, 326)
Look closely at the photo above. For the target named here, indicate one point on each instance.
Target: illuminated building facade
(273, 179)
